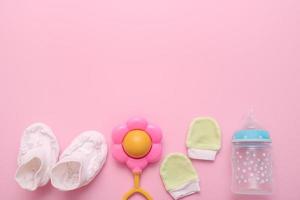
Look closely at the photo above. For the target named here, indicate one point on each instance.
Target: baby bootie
(80, 162)
(179, 176)
(204, 139)
(38, 153)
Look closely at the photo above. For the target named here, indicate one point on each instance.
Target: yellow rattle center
(137, 143)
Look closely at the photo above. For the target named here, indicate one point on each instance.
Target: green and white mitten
(204, 139)
(179, 176)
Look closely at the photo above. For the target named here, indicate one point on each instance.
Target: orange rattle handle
(136, 189)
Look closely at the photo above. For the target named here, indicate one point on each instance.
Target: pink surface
(79, 65)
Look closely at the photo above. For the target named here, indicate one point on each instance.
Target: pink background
(78, 65)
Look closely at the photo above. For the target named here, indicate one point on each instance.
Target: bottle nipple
(250, 121)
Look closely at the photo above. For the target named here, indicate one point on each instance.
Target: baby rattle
(137, 143)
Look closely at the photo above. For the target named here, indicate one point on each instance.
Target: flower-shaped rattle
(137, 143)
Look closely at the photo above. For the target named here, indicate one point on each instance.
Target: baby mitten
(204, 139)
(179, 176)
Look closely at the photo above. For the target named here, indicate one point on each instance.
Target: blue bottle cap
(251, 135)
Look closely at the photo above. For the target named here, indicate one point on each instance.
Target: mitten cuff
(202, 154)
(185, 190)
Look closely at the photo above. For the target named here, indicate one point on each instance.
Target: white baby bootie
(38, 153)
(80, 162)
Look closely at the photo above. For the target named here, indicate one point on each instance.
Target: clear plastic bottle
(251, 160)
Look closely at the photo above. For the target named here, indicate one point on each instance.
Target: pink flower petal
(155, 154)
(119, 133)
(137, 123)
(119, 154)
(137, 165)
(154, 132)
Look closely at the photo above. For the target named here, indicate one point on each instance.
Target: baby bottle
(251, 160)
